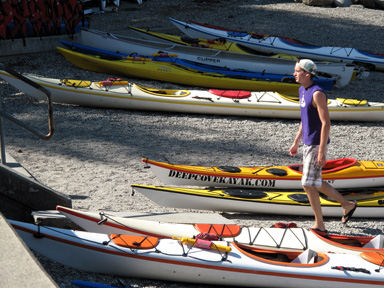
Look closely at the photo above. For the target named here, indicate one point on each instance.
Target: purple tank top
(310, 120)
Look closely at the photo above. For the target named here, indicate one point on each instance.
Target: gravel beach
(95, 154)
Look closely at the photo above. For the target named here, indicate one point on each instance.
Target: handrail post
(3, 159)
(6, 115)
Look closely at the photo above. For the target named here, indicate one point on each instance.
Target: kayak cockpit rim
(308, 258)
(163, 92)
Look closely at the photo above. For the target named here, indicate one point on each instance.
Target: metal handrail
(20, 123)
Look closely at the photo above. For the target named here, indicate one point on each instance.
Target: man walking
(314, 133)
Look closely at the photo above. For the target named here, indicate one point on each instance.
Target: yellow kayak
(216, 44)
(370, 202)
(174, 73)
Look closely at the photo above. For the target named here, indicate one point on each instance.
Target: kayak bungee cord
(354, 269)
(380, 266)
(212, 229)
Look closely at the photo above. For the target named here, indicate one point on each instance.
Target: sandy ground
(95, 154)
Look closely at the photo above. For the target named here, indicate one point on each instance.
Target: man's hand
(293, 150)
(322, 160)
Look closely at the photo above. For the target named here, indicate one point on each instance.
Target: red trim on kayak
(204, 266)
(330, 166)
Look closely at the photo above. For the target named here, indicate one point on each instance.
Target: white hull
(131, 96)
(173, 261)
(340, 72)
(277, 45)
(274, 238)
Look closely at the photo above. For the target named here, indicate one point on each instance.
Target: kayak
(341, 73)
(370, 202)
(119, 94)
(340, 173)
(326, 84)
(80, 283)
(196, 260)
(276, 45)
(272, 238)
(170, 72)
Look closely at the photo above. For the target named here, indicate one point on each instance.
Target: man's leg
(331, 192)
(314, 200)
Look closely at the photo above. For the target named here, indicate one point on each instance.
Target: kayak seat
(136, 242)
(307, 257)
(376, 243)
(222, 230)
(181, 92)
(234, 94)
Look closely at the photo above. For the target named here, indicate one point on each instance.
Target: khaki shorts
(311, 169)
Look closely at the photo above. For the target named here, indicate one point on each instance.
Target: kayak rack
(8, 116)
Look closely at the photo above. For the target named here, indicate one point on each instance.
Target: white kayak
(341, 73)
(203, 262)
(126, 95)
(344, 173)
(271, 238)
(280, 45)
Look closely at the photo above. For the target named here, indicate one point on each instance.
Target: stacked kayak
(141, 67)
(194, 260)
(341, 73)
(276, 45)
(370, 202)
(340, 173)
(271, 238)
(326, 84)
(120, 94)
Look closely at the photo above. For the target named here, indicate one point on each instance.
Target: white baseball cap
(307, 65)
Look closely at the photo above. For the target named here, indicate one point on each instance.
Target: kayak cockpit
(330, 166)
(366, 243)
(233, 94)
(285, 258)
(134, 242)
(164, 92)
